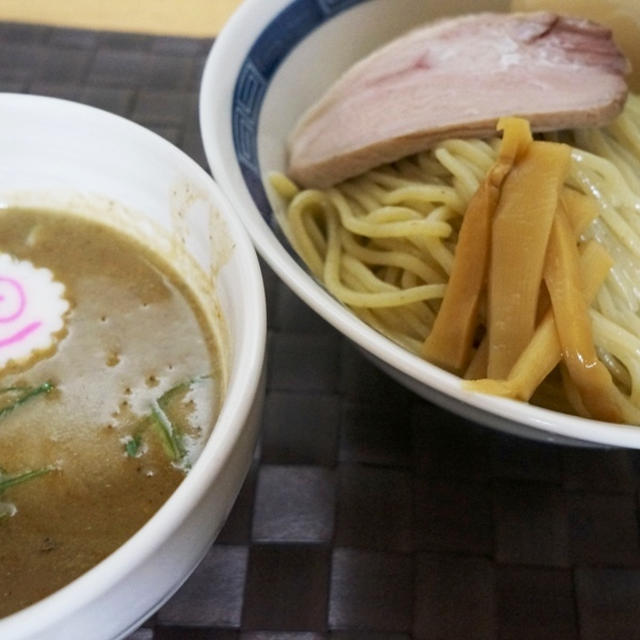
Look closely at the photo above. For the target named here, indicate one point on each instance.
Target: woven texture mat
(368, 514)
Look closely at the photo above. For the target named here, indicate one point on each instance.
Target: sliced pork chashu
(455, 78)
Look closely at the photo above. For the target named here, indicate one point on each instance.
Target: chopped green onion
(132, 445)
(171, 437)
(164, 399)
(169, 433)
(8, 481)
(24, 394)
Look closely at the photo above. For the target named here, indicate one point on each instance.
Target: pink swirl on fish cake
(19, 291)
(32, 309)
(21, 299)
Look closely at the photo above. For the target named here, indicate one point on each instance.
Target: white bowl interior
(59, 154)
(270, 63)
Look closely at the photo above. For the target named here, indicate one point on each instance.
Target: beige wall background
(198, 18)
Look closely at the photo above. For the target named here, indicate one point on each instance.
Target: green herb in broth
(21, 394)
(165, 420)
(133, 445)
(170, 436)
(7, 481)
(167, 396)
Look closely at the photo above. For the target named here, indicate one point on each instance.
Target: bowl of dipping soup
(132, 321)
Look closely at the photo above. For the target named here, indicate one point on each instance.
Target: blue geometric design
(331, 7)
(273, 45)
(280, 36)
(244, 135)
(250, 91)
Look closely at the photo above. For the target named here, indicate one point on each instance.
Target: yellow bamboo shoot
(544, 352)
(450, 341)
(520, 233)
(562, 276)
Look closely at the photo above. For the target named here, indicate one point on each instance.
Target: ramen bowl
(269, 64)
(58, 154)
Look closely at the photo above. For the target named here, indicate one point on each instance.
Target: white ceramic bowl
(62, 153)
(271, 61)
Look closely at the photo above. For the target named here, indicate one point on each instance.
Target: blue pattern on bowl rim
(271, 47)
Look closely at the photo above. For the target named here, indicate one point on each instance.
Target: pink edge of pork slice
(455, 78)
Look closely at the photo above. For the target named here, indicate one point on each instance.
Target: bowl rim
(224, 61)
(248, 355)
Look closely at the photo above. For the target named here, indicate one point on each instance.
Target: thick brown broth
(133, 333)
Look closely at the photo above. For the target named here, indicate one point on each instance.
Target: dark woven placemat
(368, 514)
